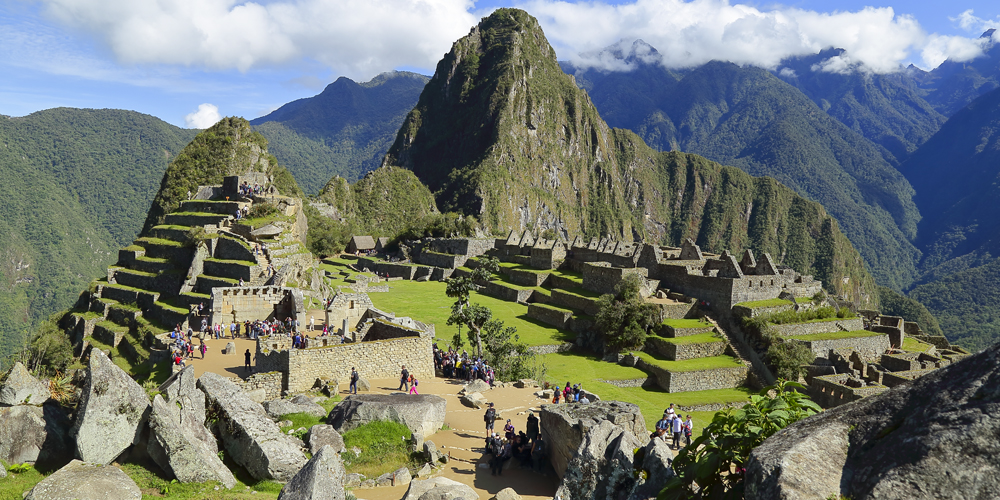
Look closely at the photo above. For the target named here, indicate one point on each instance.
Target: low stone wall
(374, 360)
(229, 248)
(600, 277)
(133, 279)
(680, 352)
(253, 303)
(194, 220)
(231, 270)
(169, 252)
(703, 380)
(503, 292)
(391, 269)
(870, 348)
(677, 311)
(550, 316)
(443, 260)
(892, 379)
(551, 348)
(753, 312)
(439, 274)
(588, 305)
(837, 325)
(271, 382)
(829, 391)
(525, 278)
(673, 332)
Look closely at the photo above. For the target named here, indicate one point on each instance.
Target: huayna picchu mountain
(502, 133)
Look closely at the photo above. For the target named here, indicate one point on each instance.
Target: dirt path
(464, 441)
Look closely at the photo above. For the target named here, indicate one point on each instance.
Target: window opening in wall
(352, 305)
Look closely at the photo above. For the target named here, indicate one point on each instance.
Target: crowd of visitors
(525, 446)
(246, 190)
(462, 366)
(671, 426)
(570, 394)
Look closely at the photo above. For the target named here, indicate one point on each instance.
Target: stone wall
(374, 360)
(232, 270)
(443, 260)
(601, 277)
(753, 312)
(503, 292)
(349, 306)
(383, 329)
(829, 391)
(551, 316)
(230, 248)
(271, 382)
(253, 303)
(562, 298)
(892, 379)
(834, 325)
(680, 352)
(870, 348)
(702, 380)
(525, 278)
(391, 269)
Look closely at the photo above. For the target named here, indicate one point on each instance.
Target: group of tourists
(671, 426)
(407, 381)
(526, 446)
(570, 394)
(183, 348)
(246, 190)
(243, 212)
(461, 366)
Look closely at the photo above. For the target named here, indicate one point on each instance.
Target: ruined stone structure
(241, 304)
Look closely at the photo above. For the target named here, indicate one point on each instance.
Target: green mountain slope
(953, 85)
(74, 185)
(502, 133)
(345, 130)
(747, 117)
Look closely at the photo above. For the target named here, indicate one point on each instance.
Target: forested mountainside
(344, 131)
(749, 118)
(956, 174)
(502, 133)
(953, 85)
(75, 185)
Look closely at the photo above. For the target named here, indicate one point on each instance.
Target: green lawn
(701, 338)
(834, 335)
(913, 345)
(427, 302)
(691, 365)
(755, 304)
(686, 323)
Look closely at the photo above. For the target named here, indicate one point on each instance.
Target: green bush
(625, 318)
(787, 358)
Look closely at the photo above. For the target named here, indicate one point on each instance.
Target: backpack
(490, 415)
(416, 382)
(497, 448)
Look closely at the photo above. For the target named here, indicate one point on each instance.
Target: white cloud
(973, 24)
(206, 116)
(357, 38)
(689, 33)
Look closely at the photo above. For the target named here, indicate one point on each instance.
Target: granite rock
(602, 466)
(33, 434)
(278, 408)
(177, 447)
(86, 481)
(111, 412)
(474, 400)
(325, 435)
(439, 488)
(423, 414)
(565, 426)
(477, 385)
(321, 478)
(21, 388)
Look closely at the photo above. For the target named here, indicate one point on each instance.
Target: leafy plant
(714, 465)
(625, 318)
(510, 358)
(472, 316)
(787, 358)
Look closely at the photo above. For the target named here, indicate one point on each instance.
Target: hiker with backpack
(413, 385)
(354, 381)
(490, 417)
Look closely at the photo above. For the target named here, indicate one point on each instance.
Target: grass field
(913, 345)
(690, 365)
(756, 304)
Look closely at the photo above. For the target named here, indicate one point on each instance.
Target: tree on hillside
(714, 465)
(472, 316)
(510, 358)
(625, 317)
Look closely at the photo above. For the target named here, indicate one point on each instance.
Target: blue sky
(189, 61)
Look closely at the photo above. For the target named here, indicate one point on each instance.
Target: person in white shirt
(688, 429)
(676, 426)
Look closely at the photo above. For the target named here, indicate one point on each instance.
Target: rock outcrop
(322, 478)
(474, 400)
(181, 389)
(249, 435)
(32, 434)
(278, 408)
(86, 481)
(935, 437)
(178, 450)
(111, 411)
(566, 426)
(423, 414)
(602, 467)
(477, 385)
(439, 488)
(325, 435)
(656, 460)
(432, 454)
(21, 388)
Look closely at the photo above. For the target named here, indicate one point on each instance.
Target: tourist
(246, 360)
(501, 453)
(532, 426)
(583, 398)
(538, 454)
(688, 430)
(556, 395)
(568, 393)
(312, 323)
(404, 377)
(670, 409)
(661, 426)
(508, 431)
(490, 417)
(677, 426)
(203, 348)
(354, 381)
(413, 386)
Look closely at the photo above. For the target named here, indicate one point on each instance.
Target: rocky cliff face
(502, 133)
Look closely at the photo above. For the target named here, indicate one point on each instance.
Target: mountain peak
(988, 33)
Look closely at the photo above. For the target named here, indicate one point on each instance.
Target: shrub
(625, 318)
(787, 358)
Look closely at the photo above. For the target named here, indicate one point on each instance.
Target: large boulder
(423, 414)
(565, 426)
(432, 454)
(230, 348)
(474, 400)
(321, 478)
(656, 460)
(439, 488)
(20, 388)
(477, 385)
(364, 385)
(178, 449)
(325, 435)
(602, 467)
(111, 411)
(86, 481)
(32, 434)
(249, 435)
(181, 390)
(279, 407)
(935, 437)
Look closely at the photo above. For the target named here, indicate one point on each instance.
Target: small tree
(714, 465)
(625, 317)
(473, 316)
(787, 358)
(510, 358)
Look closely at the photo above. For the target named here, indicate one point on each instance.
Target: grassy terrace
(112, 326)
(556, 308)
(237, 262)
(173, 226)
(690, 365)
(159, 241)
(756, 304)
(701, 338)
(913, 345)
(138, 273)
(220, 278)
(124, 287)
(686, 323)
(199, 214)
(834, 335)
